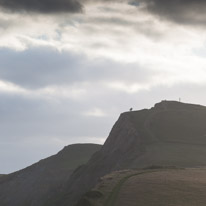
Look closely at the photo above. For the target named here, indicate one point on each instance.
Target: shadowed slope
(171, 133)
(36, 184)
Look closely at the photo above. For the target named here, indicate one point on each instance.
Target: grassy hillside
(38, 183)
(172, 122)
(105, 191)
(151, 187)
(174, 134)
(71, 156)
(171, 187)
(169, 134)
(185, 126)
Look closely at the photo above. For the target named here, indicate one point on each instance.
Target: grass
(185, 187)
(186, 126)
(181, 123)
(115, 192)
(108, 191)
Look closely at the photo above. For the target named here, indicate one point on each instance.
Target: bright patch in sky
(65, 77)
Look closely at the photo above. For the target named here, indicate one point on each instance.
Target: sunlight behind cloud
(96, 112)
(128, 88)
(8, 87)
(62, 71)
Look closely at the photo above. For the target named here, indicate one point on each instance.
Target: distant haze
(68, 68)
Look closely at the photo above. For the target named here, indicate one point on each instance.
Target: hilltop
(170, 133)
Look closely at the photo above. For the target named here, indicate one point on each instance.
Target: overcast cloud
(191, 12)
(41, 6)
(69, 68)
(179, 11)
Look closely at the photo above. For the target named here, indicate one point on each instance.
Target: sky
(68, 68)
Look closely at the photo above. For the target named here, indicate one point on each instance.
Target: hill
(34, 185)
(156, 187)
(172, 187)
(170, 133)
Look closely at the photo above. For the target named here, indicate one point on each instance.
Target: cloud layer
(41, 6)
(191, 12)
(65, 78)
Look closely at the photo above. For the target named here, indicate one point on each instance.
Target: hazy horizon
(69, 68)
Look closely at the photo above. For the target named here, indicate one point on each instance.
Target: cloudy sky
(68, 68)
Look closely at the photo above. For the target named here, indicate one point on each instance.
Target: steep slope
(170, 133)
(34, 185)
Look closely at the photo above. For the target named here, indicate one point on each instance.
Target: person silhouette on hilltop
(130, 109)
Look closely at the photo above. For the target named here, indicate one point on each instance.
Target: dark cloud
(179, 11)
(42, 6)
(40, 67)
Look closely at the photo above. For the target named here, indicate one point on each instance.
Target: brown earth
(179, 187)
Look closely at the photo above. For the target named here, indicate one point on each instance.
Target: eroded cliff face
(169, 134)
(121, 148)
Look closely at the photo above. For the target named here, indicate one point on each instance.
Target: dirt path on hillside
(112, 198)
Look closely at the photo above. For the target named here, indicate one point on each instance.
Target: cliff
(169, 134)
